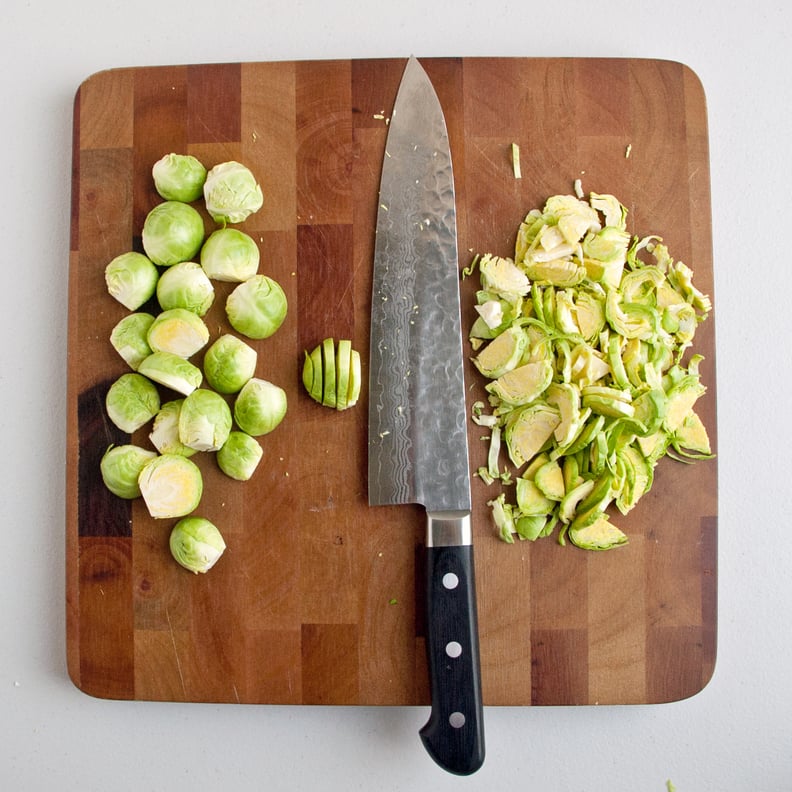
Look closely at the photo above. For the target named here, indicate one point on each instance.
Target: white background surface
(735, 735)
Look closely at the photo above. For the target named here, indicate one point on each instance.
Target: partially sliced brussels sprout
(172, 371)
(204, 420)
(131, 401)
(185, 285)
(178, 331)
(130, 338)
(259, 407)
(331, 374)
(196, 544)
(131, 279)
(239, 456)
(121, 467)
(229, 363)
(171, 486)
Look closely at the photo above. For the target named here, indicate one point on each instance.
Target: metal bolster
(448, 529)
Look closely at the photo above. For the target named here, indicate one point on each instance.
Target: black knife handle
(454, 733)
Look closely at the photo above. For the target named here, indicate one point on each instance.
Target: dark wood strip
(325, 283)
(214, 103)
(160, 127)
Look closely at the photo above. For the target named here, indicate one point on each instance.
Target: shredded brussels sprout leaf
(582, 337)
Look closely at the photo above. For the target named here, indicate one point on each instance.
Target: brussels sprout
(172, 371)
(196, 544)
(257, 307)
(165, 432)
(501, 275)
(131, 279)
(230, 255)
(171, 486)
(121, 466)
(204, 420)
(239, 456)
(172, 232)
(129, 338)
(594, 394)
(229, 363)
(179, 332)
(131, 401)
(503, 353)
(600, 535)
(259, 407)
(331, 374)
(231, 193)
(529, 430)
(574, 217)
(185, 285)
(523, 384)
(179, 177)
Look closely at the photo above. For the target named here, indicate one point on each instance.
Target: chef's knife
(417, 415)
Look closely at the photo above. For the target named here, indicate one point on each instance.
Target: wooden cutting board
(316, 600)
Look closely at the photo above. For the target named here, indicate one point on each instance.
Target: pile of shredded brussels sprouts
(222, 407)
(582, 337)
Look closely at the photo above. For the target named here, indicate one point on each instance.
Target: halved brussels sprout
(131, 401)
(231, 193)
(229, 363)
(179, 177)
(165, 432)
(196, 544)
(257, 307)
(129, 338)
(259, 407)
(185, 285)
(172, 371)
(172, 232)
(131, 279)
(179, 332)
(239, 456)
(121, 467)
(204, 420)
(171, 486)
(230, 255)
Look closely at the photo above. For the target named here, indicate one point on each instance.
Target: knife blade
(417, 414)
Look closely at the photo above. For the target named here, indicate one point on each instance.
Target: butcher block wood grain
(317, 599)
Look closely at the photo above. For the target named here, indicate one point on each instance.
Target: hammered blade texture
(417, 415)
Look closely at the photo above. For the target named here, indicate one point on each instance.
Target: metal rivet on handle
(453, 649)
(450, 580)
(456, 720)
